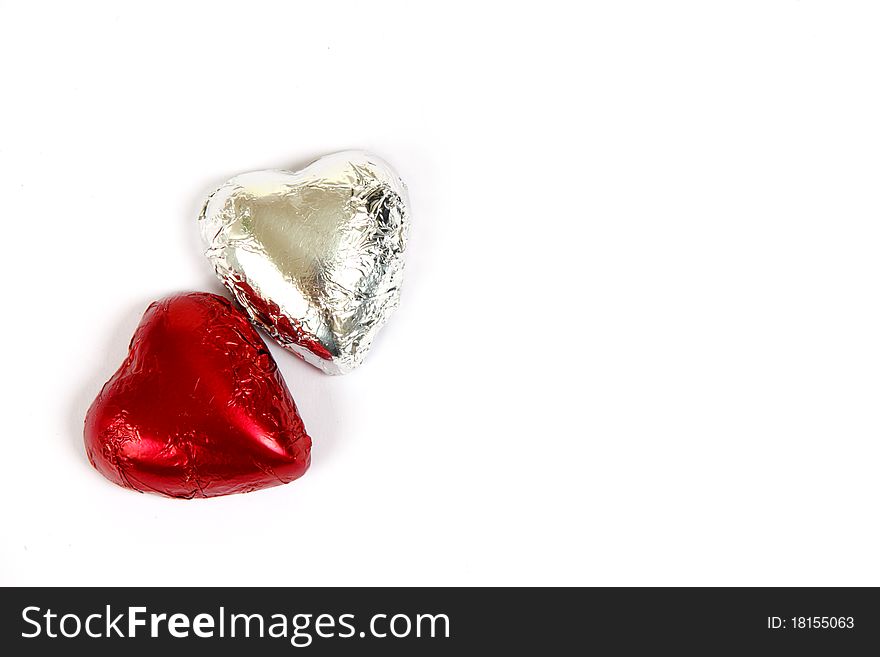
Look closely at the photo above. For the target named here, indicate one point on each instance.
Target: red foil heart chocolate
(198, 408)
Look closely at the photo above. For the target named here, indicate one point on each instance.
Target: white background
(639, 340)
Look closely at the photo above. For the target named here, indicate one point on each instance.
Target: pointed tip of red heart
(198, 408)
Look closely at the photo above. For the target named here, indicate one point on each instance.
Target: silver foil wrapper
(315, 257)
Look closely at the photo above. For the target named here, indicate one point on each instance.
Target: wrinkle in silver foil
(316, 256)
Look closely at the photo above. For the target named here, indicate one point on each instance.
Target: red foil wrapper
(198, 408)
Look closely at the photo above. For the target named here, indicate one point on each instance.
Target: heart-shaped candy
(198, 408)
(315, 257)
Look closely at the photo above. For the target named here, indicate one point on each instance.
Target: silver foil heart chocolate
(315, 257)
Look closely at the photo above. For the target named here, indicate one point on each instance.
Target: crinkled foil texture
(316, 256)
(198, 408)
